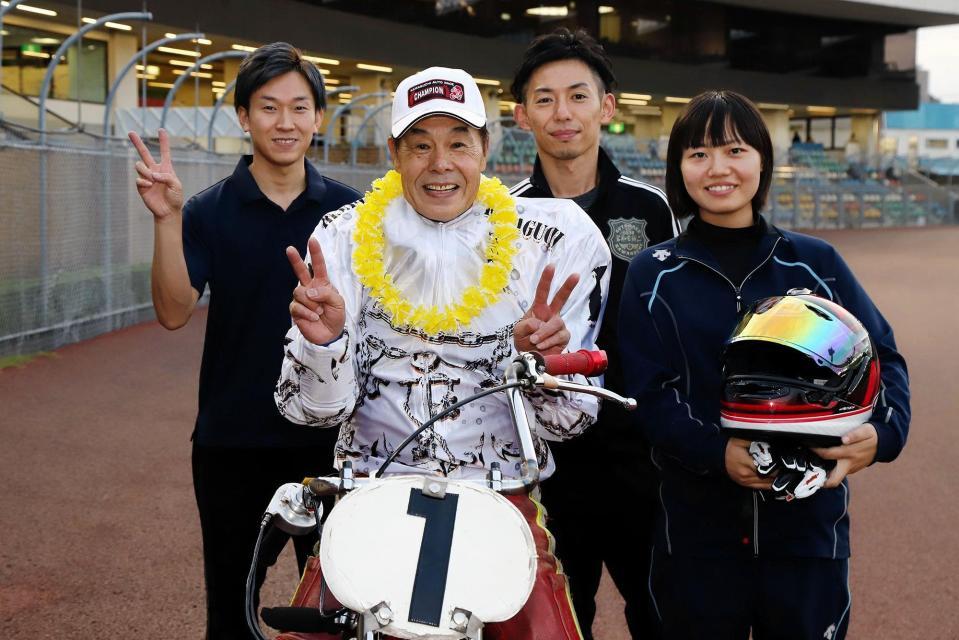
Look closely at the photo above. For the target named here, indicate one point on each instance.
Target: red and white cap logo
(437, 91)
(433, 90)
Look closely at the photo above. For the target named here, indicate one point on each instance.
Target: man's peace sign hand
(542, 328)
(317, 308)
(157, 184)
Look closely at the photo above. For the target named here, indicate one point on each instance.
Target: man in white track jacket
(377, 379)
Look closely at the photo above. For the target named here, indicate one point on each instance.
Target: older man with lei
(422, 292)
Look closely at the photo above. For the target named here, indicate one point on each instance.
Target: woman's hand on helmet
(858, 450)
(741, 467)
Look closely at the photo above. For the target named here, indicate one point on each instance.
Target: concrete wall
(120, 49)
(777, 120)
(866, 130)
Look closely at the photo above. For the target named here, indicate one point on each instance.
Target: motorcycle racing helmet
(798, 367)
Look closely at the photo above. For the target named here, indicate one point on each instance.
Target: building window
(26, 55)
(831, 132)
(937, 143)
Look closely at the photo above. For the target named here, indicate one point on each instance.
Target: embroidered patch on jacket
(433, 89)
(627, 237)
(661, 254)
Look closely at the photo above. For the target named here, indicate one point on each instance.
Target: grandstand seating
(516, 152)
(813, 155)
(813, 190)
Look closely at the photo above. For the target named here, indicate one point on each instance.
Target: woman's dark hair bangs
(718, 122)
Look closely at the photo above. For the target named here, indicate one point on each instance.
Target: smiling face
(719, 160)
(440, 160)
(281, 120)
(564, 106)
(722, 181)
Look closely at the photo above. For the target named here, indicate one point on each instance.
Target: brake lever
(550, 382)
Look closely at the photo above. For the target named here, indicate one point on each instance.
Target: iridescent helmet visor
(798, 366)
(821, 329)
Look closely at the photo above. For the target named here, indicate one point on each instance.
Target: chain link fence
(76, 242)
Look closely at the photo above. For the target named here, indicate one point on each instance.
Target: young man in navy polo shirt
(232, 237)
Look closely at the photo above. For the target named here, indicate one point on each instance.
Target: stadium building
(931, 132)
(75, 245)
(928, 140)
(821, 68)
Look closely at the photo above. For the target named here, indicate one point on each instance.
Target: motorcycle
(460, 553)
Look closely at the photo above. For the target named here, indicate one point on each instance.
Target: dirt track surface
(100, 536)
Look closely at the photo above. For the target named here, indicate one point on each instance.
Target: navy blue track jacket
(677, 310)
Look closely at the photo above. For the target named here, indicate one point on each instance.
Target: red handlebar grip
(587, 363)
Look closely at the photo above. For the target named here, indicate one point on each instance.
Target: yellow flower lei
(370, 243)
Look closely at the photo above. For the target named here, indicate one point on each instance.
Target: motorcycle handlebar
(332, 486)
(587, 363)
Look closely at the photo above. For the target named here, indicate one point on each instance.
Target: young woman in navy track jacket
(728, 558)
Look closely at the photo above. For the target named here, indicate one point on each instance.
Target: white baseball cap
(437, 91)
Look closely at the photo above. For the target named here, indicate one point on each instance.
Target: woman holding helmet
(729, 558)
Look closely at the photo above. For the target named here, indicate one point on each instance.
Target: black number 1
(429, 587)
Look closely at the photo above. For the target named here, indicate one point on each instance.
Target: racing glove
(801, 473)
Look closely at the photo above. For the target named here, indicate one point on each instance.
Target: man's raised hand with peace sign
(542, 328)
(157, 183)
(174, 298)
(317, 308)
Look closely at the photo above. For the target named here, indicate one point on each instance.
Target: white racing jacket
(378, 383)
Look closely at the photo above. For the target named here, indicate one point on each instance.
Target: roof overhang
(410, 48)
(908, 13)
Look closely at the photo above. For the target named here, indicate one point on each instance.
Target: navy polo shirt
(234, 239)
